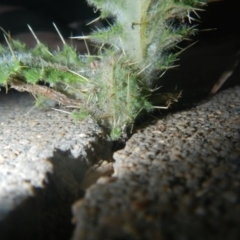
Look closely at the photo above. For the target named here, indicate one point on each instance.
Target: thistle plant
(114, 86)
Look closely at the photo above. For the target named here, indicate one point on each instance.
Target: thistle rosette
(114, 86)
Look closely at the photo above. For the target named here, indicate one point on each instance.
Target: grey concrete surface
(42, 151)
(177, 178)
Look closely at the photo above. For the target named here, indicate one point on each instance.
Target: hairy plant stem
(117, 85)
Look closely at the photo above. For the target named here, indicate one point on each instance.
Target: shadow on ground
(47, 215)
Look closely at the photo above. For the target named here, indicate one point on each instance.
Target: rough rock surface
(177, 178)
(43, 157)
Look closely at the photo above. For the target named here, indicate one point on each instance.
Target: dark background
(40, 14)
(223, 15)
(65, 11)
(200, 66)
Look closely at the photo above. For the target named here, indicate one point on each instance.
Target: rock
(44, 155)
(177, 188)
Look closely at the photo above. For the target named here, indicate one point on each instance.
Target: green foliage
(116, 133)
(115, 86)
(144, 29)
(80, 115)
